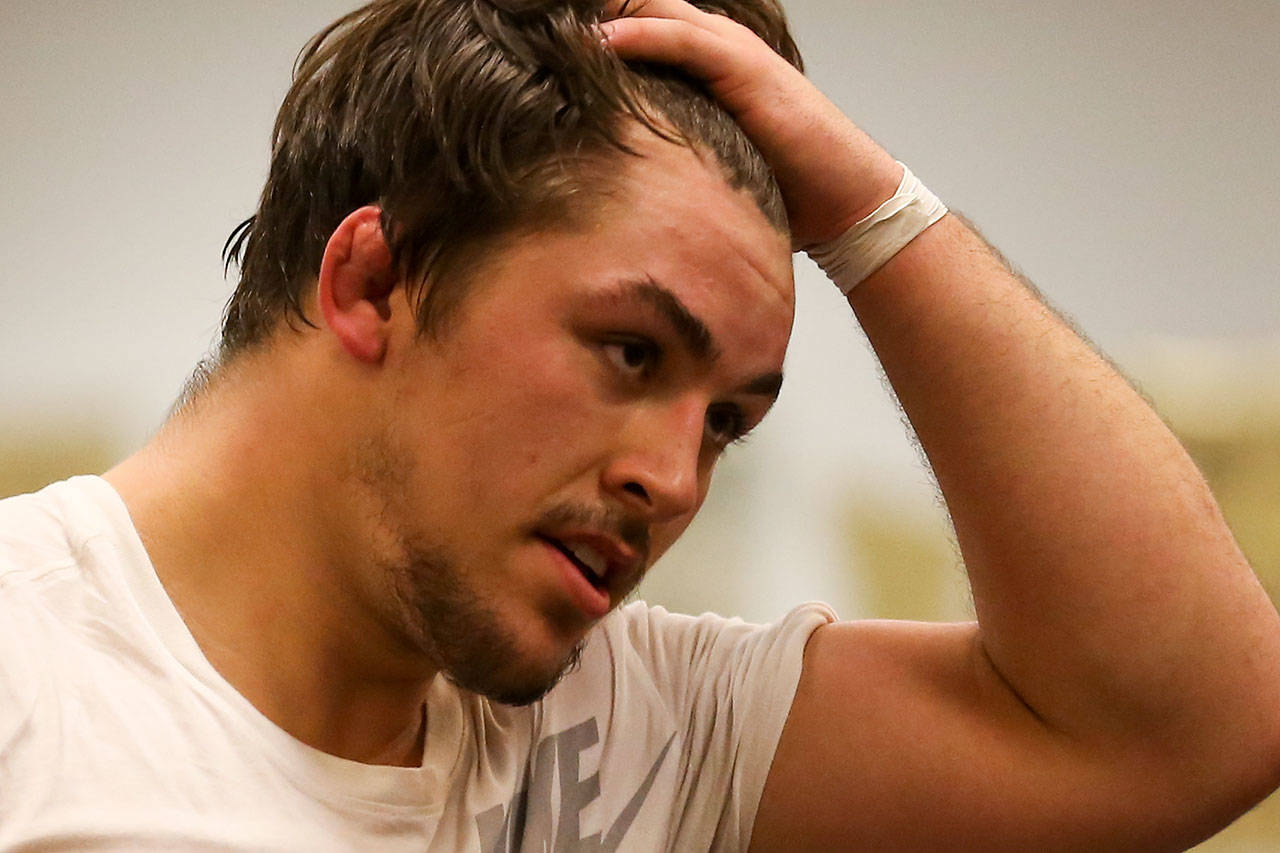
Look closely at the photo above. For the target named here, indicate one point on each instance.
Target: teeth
(591, 558)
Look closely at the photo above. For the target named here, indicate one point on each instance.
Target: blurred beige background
(1123, 153)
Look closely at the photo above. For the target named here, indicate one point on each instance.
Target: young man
(502, 305)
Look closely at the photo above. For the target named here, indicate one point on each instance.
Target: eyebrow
(769, 385)
(693, 333)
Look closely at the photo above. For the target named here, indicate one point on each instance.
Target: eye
(725, 425)
(637, 358)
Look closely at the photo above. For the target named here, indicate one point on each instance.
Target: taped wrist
(871, 242)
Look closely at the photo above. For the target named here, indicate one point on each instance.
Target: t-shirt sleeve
(729, 685)
(32, 549)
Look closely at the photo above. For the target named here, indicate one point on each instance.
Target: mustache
(633, 532)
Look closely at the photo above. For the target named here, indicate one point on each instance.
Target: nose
(656, 470)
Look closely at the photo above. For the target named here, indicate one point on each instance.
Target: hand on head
(831, 173)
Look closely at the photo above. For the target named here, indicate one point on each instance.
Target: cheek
(540, 416)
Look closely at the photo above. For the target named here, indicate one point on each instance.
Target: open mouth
(588, 561)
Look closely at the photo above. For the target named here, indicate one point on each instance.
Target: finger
(649, 9)
(677, 10)
(698, 51)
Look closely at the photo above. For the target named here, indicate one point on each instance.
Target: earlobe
(355, 284)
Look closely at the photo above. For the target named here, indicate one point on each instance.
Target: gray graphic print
(530, 823)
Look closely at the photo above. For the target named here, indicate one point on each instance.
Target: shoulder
(46, 569)
(34, 535)
(664, 637)
(56, 528)
(36, 551)
(681, 655)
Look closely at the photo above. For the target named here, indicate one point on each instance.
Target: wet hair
(464, 121)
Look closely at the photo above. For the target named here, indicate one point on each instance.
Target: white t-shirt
(117, 734)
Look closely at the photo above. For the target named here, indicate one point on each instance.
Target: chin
(513, 681)
(510, 657)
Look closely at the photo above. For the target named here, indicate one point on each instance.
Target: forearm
(1110, 594)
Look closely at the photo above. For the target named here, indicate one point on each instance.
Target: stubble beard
(436, 608)
(463, 636)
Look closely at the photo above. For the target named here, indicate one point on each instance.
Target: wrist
(878, 179)
(876, 237)
(832, 173)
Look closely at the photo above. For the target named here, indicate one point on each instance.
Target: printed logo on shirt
(529, 822)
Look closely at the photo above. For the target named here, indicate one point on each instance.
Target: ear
(355, 283)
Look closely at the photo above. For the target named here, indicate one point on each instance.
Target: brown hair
(463, 120)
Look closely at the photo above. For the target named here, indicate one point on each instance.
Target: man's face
(560, 433)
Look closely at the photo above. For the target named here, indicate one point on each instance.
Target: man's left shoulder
(676, 655)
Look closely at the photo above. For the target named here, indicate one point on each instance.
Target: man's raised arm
(1121, 688)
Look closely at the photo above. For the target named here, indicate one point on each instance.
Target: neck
(246, 511)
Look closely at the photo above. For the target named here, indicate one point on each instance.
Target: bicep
(903, 736)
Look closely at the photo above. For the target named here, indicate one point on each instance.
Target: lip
(594, 603)
(622, 560)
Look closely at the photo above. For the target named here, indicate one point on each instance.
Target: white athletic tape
(871, 242)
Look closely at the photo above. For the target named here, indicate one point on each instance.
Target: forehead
(672, 216)
(665, 216)
(684, 193)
